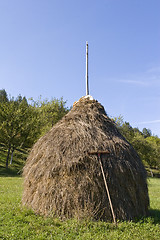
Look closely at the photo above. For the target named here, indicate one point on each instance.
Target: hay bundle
(61, 179)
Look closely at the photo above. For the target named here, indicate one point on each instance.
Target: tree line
(146, 144)
(23, 121)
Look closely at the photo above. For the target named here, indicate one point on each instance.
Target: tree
(154, 142)
(146, 145)
(125, 128)
(118, 121)
(21, 123)
(3, 96)
(50, 112)
(145, 149)
(146, 132)
(18, 125)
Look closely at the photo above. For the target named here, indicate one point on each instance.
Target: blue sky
(42, 52)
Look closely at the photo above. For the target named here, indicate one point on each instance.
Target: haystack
(62, 179)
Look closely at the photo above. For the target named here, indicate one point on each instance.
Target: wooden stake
(106, 186)
(98, 153)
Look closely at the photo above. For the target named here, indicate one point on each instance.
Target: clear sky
(42, 52)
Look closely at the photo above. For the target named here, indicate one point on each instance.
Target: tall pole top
(87, 85)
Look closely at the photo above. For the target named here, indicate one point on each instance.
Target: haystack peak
(87, 97)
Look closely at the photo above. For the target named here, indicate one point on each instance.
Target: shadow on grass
(4, 172)
(155, 214)
(153, 217)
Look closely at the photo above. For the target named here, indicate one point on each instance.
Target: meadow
(16, 222)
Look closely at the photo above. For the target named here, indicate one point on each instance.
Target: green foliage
(3, 96)
(18, 125)
(21, 123)
(146, 132)
(147, 150)
(127, 131)
(147, 146)
(18, 121)
(50, 112)
(17, 222)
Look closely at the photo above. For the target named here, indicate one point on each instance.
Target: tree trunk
(12, 156)
(9, 149)
(151, 172)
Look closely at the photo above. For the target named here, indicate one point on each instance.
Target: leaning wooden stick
(98, 153)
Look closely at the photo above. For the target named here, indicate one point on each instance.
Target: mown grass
(154, 194)
(18, 223)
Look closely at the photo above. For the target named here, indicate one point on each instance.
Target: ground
(17, 223)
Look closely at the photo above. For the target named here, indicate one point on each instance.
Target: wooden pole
(106, 186)
(87, 87)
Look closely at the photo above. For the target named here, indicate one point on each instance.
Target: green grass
(17, 222)
(154, 194)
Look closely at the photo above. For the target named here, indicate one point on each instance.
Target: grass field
(19, 223)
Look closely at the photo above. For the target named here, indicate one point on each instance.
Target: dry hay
(61, 179)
